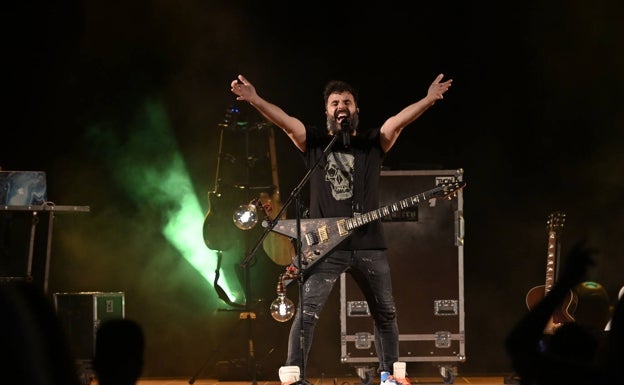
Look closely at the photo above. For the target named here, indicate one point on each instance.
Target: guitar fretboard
(550, 261)
(362, 219)
(555, 225)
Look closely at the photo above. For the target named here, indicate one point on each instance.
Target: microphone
(345, 128)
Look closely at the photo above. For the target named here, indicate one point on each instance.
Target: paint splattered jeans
(371, 272)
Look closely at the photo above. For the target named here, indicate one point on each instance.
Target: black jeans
(371, 272)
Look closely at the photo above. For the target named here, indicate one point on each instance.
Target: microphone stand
(295, 195)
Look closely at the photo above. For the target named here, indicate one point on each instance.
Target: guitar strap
(222, 294)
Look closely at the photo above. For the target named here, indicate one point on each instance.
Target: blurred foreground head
(35, 346)
(119, 348)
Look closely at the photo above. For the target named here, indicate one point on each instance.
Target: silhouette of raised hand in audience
(566, 357)
(615, 348)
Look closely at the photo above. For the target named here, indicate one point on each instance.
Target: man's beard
(334, 126)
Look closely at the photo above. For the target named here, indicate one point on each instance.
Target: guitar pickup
(320, 236)
(342, 227)
(311, 238)
(323, 234)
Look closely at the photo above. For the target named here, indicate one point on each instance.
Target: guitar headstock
(555, 221)
(450, 188)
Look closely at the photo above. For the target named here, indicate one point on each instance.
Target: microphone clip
(346, 129)
(345, 126)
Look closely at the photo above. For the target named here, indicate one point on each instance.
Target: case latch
(443, 339)
(363, 340)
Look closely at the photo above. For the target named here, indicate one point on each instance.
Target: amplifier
(82, 313)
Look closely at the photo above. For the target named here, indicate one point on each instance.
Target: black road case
(425, 250)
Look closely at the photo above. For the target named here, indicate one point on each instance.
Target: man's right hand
(243, 89)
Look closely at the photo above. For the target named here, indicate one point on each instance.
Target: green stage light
(149, 166)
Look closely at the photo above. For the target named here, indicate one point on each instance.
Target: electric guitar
(563, 314)
(322, 235)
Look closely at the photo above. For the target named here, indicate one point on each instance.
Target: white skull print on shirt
(339, 173)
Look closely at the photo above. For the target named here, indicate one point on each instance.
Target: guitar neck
(551, 258)
(362, 219)
(217, 172)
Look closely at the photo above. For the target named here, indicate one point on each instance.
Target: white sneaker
(388, 379)
(289, 374)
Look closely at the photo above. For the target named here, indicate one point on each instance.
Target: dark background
(534, 117)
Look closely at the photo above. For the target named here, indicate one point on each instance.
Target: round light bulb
(245, 216)
(282, 308)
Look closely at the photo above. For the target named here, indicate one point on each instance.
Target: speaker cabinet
(82, 313)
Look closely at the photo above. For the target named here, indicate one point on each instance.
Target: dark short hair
(119, 350)
(338, 86)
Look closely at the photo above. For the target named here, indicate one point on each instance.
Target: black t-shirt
(346, 182)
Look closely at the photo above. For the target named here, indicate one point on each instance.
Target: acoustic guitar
(218, 229)
(278, 247)
(564, 313)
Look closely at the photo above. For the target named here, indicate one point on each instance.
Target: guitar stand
(226, 368)
(233, 122)
(247, 314)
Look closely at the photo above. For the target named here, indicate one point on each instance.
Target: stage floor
(487, 380)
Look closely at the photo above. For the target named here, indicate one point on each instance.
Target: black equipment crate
(82, 313)
(425, 252)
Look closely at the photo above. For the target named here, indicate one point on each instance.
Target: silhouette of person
(119, 349)
(34, 343)
(615, 344)
(568, 356)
